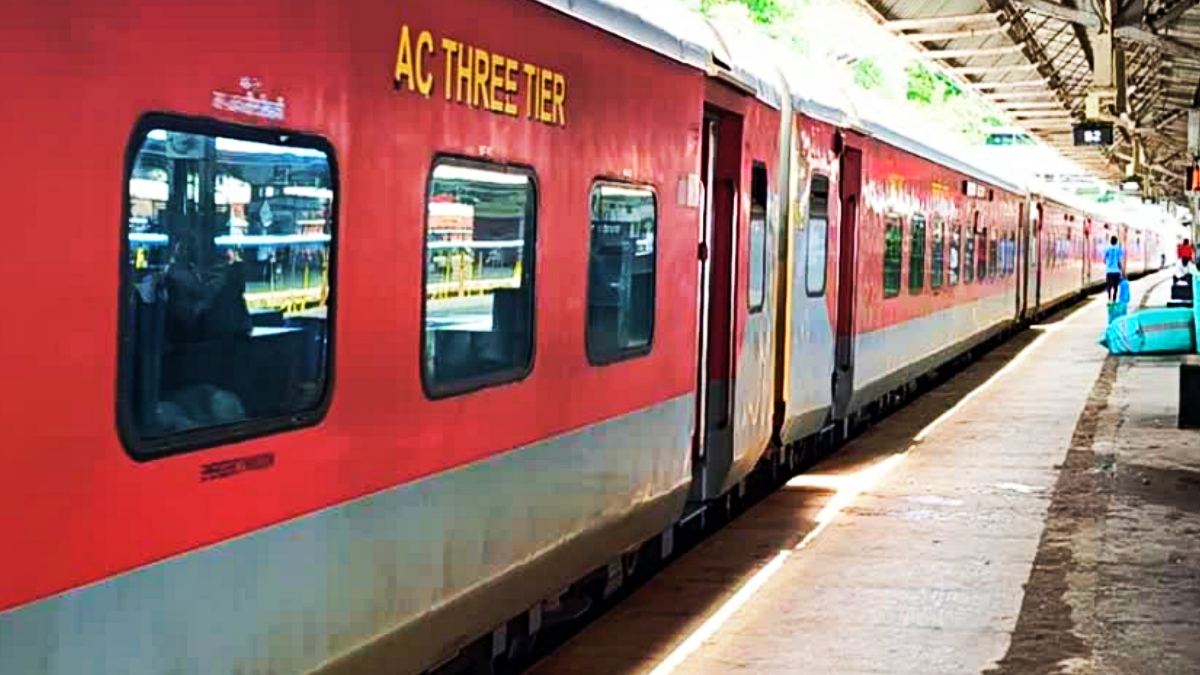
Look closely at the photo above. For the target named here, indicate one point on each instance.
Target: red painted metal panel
(76, 507)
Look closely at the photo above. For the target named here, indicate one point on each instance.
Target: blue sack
(1152, 331)
(1123, 293)
(1117, 310)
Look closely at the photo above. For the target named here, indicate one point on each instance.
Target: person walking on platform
(1114, 268)
(1185, 252)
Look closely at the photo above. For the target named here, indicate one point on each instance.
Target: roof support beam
(953, 35)
(1029, 105)
(955, 20)
(1015, 84)
(980, 70)
(1040, 114)
(1165, 44)
(969, 53)
(1169, 17)
(1011, 95)
(1062, 13)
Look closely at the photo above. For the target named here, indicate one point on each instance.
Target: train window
(892, 257)
(480, 236)
(968, 272)
(227, 284)
(916, 256)
(993, 255)
(937, 263)
(756, 288)
(981, 260)
(955, 252)
(817, 236)
(1012, 253)
(1001, 256)
(622, 273)
(1005, 256)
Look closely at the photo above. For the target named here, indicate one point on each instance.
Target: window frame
(751, 307)
(969, 237)
(981, 255)
(528, 270)
(937, 268)
(957, 244)
(993, 254)
(808, 292)
(212, 437)
(889, 222)
(626, 354)
(913, 221)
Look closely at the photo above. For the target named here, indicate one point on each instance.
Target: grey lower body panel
(401, 577)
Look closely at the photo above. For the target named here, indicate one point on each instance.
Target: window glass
(1005, 255)
(226, 324)
(621, 272)
(916, 256)
(1012, 253)
(955, 252)
(817, 236)
(969, 257)
(937, 262)
(993, 254)
(756, 287)
(892, 257)
(981, 261)
(480, 232)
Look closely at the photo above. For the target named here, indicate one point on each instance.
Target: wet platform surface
(1039, 513)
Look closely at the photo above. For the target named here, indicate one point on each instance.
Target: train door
(720, 171)
(1035, 245)
(1017, 265)
(1088, 239)
(850, 183)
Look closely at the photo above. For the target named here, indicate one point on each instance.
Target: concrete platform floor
(1038, 513)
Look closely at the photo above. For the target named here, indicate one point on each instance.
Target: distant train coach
(381, 337)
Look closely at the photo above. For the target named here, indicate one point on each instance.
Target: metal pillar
(1194, 202)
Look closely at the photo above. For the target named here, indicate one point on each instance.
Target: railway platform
(1037, 513)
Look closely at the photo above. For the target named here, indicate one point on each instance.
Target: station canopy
(1036, 61)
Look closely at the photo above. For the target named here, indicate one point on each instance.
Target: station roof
(1034, 59)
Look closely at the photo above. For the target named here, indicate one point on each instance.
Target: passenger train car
(398, 330)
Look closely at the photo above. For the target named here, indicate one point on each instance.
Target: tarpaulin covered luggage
(1165, 330)
(1195, 307)
(1117, 310)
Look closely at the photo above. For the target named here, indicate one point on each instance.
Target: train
(401, 330)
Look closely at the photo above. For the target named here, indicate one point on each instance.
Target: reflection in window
(955, 253)
(968, 270)
(982, 260)
(479, 244)
(937, 263)
(993, 254)
(621, 272)
(229, 256)
(758, 237)
(916, 256)
(817, 237)
(892, 257)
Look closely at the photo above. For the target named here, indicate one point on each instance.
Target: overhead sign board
(1093, 133)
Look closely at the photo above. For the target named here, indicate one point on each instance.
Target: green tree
(868, 74)
(765, 12)
(928, 87)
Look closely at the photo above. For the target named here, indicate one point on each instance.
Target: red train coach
(901, 257)
(405, 335)
(395, 330)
